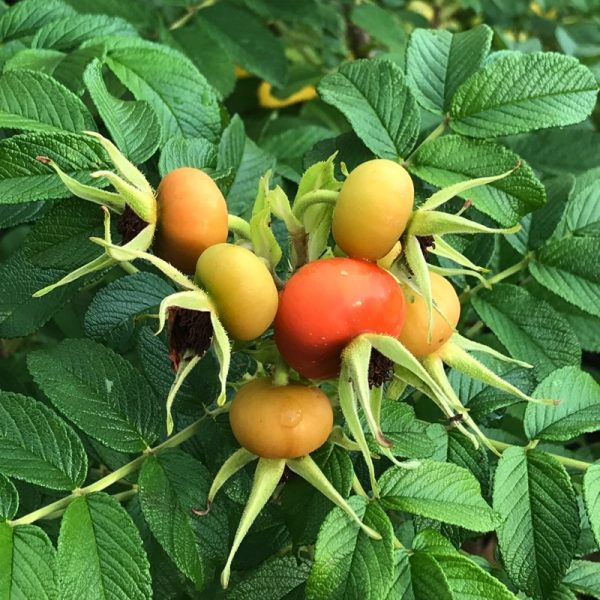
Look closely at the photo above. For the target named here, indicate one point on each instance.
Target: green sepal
(186, 366)
(454, 356)
(281, 208)
(142, 203)
(435, 367)
(316, 210)
(418, 265)
(191, 300)
(222, 349)
(442, 196)
(471, 346)
(126, 253)
(266, 477)
(87, 192)
(339, 438)
(444, 405)
(349, 406)
(442, 248)
(450, 272)
(237, 461)
(356, 358)
(261, 235)
(308, 469)
(94, 266)
(105, 261)
(198, 300)
(239, 226)
(433, 222)
(129, 171)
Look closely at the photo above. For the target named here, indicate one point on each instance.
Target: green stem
(565, 460)
(112, 478)
(432, 136)
(512, 270)
(311, 198)
(129, 268)
(120, 497)
(239, 226)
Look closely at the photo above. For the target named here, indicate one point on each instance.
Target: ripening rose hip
(192, 216)
(241, 287)
(372, 209)
(415, 330)
(326, 304)
(286, 421)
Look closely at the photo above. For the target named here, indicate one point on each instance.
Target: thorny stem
(512, 270)
(113, 477)
(582, 465)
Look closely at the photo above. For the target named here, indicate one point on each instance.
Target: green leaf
(439, 61)
(70, 32)
(528, 327)
(462, 574)
(579, 39)
(133, 125)
(412, 438)
(537, 539)
(187, 152)
(348, 564)
(20, 313)
(35, 59)
(171, 485)
(461, 452)
(38, 446)
(23, 178)
(583, 577)
(591, 495)
(375, 98)
(523, 92)
(27, 564)
(291, 144)
(61, 238)
(111, 402)
(559, 151)
(545, 221)
(279, 578)
(198, 42)
(452, 159)
(428, 579)
(584, 325)
(9, 499)
(381, 25)
(304, 506)
(111, 312)
(577, 413)
(582, 216)
(569, 269)
(248, 163)
(27, 16)
(200, 389)
(17, 214)
(401, 585)
(36, 102)
(441, 491)
(100, 552)
(182, 99)
(249, 42)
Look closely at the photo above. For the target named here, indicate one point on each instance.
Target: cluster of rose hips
(360, 305)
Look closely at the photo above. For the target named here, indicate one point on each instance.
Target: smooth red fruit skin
(326, 304)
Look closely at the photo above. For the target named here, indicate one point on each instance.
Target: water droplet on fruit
(290, 417)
